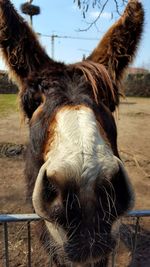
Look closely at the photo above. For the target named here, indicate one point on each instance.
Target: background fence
(28, 219)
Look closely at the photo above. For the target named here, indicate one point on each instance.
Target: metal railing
(9, 218)
(6, 219)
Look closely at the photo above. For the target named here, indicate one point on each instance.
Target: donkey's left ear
(118, 46)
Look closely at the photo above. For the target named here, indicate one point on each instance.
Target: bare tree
(85, 5)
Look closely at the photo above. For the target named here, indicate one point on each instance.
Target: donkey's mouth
(92, 251)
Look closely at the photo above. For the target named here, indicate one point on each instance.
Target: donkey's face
(78, 182)
(82, 186)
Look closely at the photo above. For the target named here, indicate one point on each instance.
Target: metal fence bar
(135, 235)
(8, 218)
(35, 217)
(6, 259)
(29, 243)
(18, 217)
(113, 258)
(139, 213)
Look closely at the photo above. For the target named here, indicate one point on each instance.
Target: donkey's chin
(89, 251)
(81, 250)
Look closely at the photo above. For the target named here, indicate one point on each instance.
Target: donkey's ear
(19, 45)
(118, 46)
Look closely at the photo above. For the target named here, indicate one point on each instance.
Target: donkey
(75, 178)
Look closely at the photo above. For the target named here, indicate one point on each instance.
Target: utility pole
(31, 16)
(53, 45)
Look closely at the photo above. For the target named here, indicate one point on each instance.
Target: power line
(68, 37)
(53, 36)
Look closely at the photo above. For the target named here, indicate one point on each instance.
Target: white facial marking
(78, 150)
(57, 233)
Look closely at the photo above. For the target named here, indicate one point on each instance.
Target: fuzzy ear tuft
(19, 45)
(118, 46)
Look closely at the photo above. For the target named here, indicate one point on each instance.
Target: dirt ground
(133, 120)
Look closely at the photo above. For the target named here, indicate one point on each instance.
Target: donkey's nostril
(50, 190)
(46, 195)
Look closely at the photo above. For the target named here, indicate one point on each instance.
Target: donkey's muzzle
(88, 249)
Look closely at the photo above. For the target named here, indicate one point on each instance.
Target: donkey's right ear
(118, 46)
(20, 47)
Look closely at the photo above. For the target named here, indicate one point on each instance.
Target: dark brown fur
(118, 46)
(45, 87)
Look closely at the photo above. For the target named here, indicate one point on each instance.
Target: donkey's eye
(31, 100)
(37, 101)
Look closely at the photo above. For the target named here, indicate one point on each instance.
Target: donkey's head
(79, 184)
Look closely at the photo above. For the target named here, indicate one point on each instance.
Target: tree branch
(85, 5)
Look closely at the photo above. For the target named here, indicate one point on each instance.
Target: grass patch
(8, 103)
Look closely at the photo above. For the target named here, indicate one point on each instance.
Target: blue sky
(63, 18)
